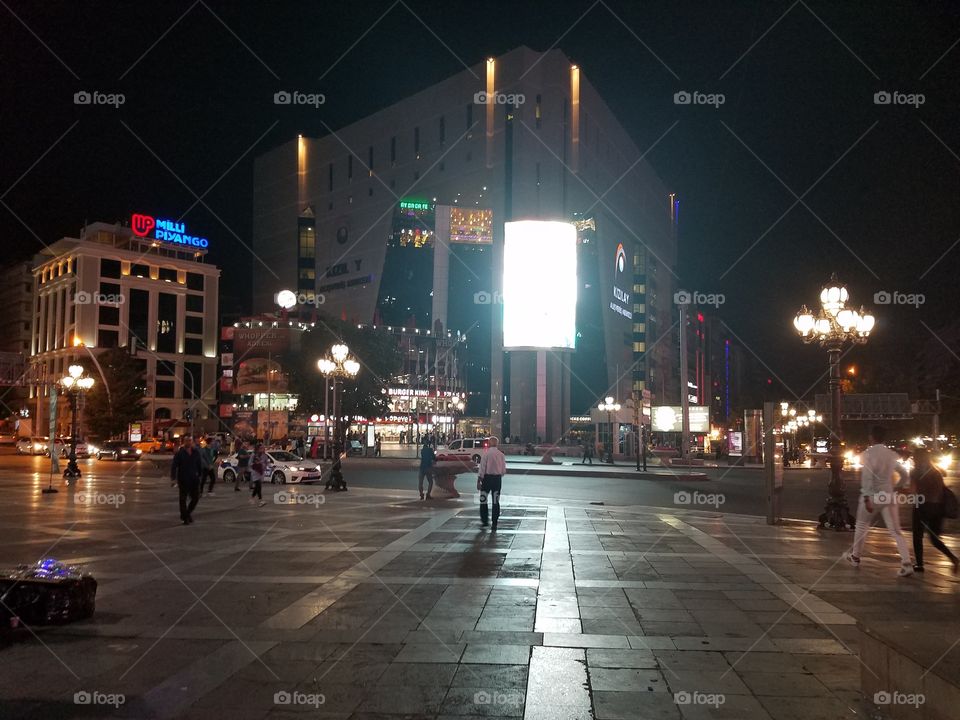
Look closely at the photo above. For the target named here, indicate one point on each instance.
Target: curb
(621, 475)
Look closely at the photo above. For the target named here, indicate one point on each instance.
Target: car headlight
(123, 452)
(139, 451)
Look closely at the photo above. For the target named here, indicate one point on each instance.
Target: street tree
(108, 415)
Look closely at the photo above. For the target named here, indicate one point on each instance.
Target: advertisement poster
(735, 443)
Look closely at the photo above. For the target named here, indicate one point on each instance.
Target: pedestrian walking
(185, 471)
(377, 447)
(258, 468)
(587, 454)
(428, 458)
(877, 495)
(493, 466)
(208, 460)
(243, 467)
(929, 512)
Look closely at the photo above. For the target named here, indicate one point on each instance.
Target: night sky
(879, 183)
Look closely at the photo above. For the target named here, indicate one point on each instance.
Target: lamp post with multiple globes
(339, 365)
(74, 384)
(833, 326)
(610, 407)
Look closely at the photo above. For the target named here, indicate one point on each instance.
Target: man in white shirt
(493, 466)
(877, 494)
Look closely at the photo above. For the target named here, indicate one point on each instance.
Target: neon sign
(169, 231)
(409, 204)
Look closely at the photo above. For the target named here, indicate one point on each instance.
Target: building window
(192, 380)
(330, 177)
(370, 161)
(139, 270)
(537, 113)
(137, 318)
(393, 151)
(108, 338)
(109, 315)
(416, 143)
(195, 281)
(168, 274)
(166, 323)
(193, 325)
(443, 131)
(109, 268)
(308, 274)
(306, 238)
(165, 388)
(193, 346)
(195, 303)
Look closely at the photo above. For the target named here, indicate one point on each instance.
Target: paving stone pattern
(376, 605)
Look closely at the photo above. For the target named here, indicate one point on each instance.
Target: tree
(375, 350)
(108, 415)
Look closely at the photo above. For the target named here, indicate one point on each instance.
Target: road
(730, 490)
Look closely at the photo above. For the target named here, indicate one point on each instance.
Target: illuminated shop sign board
(169, 231)
(410, 204)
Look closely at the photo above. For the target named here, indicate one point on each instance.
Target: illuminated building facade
(408, 207)
(118, 286)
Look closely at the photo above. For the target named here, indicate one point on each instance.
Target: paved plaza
(373, 604)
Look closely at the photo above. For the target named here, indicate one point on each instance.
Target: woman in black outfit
(928, 513)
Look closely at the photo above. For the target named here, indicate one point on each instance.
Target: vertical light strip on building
(301, 172)
(639, 331)
(491, 107)
(574, 118)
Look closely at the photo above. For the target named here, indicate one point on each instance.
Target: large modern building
(399, 219)
(145, 287)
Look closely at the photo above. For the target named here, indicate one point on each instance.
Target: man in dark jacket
(186, 470)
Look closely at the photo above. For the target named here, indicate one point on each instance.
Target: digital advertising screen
(539, 285)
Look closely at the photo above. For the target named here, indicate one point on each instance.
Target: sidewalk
(372, 604)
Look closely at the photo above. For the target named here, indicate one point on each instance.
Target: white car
(284, 467)
(32, 446)
(475, 447)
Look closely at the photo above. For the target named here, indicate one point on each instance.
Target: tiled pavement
(375, 605)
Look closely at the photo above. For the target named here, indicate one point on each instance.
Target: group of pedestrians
(932, 502)
(193, 466)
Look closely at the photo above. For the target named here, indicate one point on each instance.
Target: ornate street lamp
(834, 326)
(338, 366)
(610, 407)
(74, 384)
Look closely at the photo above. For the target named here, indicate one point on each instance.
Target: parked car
(285, 467)
(354, 447)
(33, 445)
(118, 450)
(477, 447)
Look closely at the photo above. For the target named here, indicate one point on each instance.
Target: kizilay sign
(169, 231)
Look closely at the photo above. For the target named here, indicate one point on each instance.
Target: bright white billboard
(668, 418)
(539, 284)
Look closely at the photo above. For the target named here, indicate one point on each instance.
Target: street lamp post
(610, 407)
(74, 384)
(338, 366)
(834, 326)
